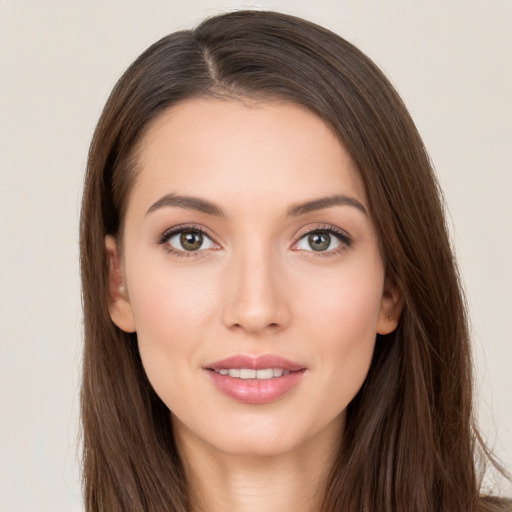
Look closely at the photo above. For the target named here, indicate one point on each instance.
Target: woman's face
(251, 272)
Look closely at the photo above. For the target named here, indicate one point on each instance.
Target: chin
(252, 434)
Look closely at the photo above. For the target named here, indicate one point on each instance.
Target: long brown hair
(410, 443)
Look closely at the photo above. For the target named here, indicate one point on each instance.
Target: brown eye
(325, 240)
(319, 241)
(187, 240)
(191, 240)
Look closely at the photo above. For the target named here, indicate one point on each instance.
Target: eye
(187, 239)
(323, 240)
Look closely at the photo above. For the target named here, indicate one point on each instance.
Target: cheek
(168, 300)
(344, 305)
(341, 317)
(172, 309)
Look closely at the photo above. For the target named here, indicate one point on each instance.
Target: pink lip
(256, 363)
(256, 391)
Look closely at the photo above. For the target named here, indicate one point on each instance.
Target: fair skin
(255, 283)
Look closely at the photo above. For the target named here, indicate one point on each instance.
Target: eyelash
(342, 236)
(344, 239)
(180, 229)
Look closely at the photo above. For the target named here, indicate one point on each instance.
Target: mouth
(255, 379)
(249, 373)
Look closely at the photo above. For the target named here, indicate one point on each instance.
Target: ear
(119, 305)
(391, 307)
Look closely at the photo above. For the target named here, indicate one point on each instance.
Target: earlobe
(391, 308)
(119, 305)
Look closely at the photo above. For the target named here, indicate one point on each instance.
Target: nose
(256, 294)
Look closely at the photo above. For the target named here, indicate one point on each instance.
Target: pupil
(319, 241)
(191, 240)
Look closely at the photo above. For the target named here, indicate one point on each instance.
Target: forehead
(259, 151)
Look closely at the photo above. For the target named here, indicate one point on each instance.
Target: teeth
(265, 374)
(248, 373)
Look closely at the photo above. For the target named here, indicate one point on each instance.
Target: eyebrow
(325, 202)
(189, 203)
(204, 206)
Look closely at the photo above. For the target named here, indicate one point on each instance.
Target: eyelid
(344, 238)
(183, 227)
(169, 233)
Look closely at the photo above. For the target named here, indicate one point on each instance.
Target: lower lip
(256, 391)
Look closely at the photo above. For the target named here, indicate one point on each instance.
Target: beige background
(451, 61)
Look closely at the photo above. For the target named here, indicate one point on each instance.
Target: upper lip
(259, 362)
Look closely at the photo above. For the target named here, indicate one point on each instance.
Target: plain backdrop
(451, 60)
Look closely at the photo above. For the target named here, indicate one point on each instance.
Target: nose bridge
(255, 299)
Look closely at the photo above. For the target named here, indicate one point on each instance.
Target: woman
(273, 316)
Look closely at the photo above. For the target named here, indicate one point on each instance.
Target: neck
(223, 482)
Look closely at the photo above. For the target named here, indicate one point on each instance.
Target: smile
(249, 373)
(252, 379)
